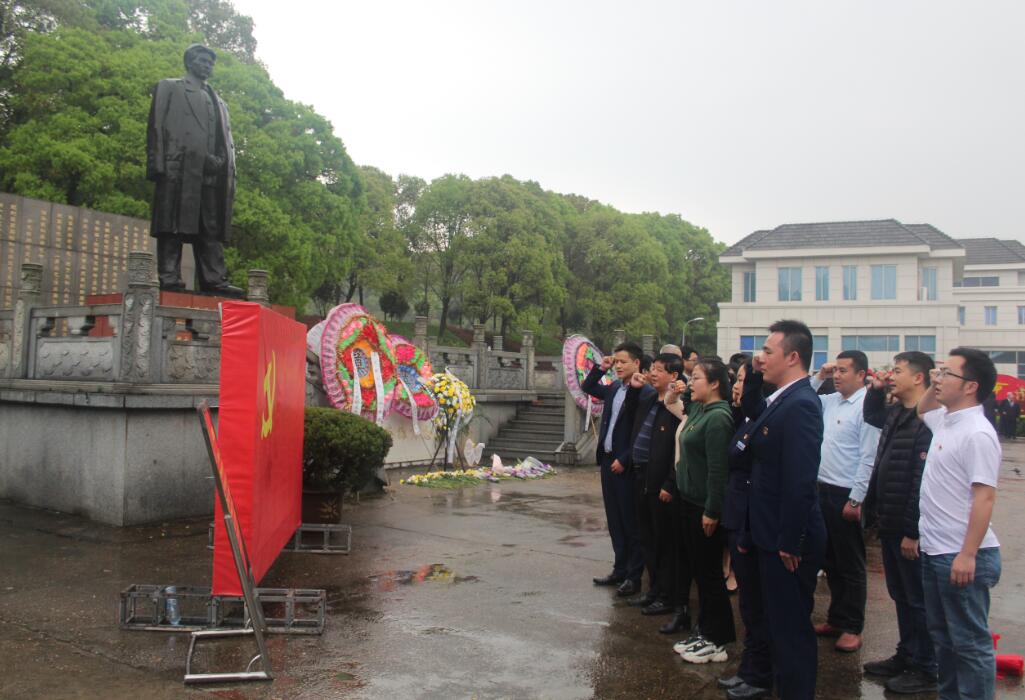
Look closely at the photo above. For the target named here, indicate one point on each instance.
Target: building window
(960, 315)
(1003, 357)
(850, 282)
(929, 284)
(752, 343)
(821, 284)
(922, 343)
(1021, 278)
(884, 281)
(1021, 315)
(871, 343)
(790, 284)
(991, 315)
(820, 351)
(978, 282)
(749, 287)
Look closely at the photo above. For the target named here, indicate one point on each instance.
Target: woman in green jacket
(701, 478)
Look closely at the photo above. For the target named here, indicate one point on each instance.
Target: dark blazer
(900, 460)
(660, 472)
(785, 443)
(623, 431)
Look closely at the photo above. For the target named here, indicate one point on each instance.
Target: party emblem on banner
(270, 380)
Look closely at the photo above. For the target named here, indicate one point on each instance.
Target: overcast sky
(736, 115)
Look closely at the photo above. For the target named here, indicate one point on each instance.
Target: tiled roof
(844, 234)
(933, 236)
(992, 251)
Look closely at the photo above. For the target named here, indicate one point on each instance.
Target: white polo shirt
(964, 451)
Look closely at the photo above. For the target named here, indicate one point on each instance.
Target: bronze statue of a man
(191, 157)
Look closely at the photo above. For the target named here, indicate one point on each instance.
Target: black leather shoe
(610, 580)
(731, 682)
(628, 588)
(172, 287)
(641, 601)
(659, 607)
(888, 668)
(679, 623)
(747, 692)
(227, 290)
(912, 682)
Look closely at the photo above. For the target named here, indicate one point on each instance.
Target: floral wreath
(355, 351)
(414, 371)
(579, 355)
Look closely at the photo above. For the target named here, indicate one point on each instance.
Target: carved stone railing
(136, 340)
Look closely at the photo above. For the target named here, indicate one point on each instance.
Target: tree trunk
(443, 321)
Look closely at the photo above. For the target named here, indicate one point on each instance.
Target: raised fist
(606, 363)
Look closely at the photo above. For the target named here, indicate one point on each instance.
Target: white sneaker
(681, 647)
(705, 652)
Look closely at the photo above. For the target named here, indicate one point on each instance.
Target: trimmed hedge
(341, 451)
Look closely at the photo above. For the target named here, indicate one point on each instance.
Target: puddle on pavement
(429, 573)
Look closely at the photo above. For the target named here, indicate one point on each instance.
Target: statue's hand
(213, 164)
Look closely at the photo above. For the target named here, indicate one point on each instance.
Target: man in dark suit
(613, 455)
(787, 531)
(652, 457)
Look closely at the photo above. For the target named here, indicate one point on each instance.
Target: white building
(878, 286)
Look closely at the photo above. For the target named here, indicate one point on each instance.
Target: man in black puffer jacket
(893, 498)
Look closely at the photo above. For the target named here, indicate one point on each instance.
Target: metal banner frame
(257, 625)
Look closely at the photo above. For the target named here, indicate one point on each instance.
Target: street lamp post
(683, 336)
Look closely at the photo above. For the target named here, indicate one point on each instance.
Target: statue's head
(199, 61)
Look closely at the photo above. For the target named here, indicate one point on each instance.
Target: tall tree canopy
(75, 81)
(77, 101)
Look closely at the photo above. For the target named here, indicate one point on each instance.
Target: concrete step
(536, 421)
(526, 445)
(512, 431)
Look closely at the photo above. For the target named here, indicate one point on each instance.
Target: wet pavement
(481, 592)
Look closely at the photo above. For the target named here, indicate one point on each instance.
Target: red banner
(1007, 384)
(260, 431)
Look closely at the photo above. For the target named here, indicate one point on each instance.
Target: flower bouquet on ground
(529, 468)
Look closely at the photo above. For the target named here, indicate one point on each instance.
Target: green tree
(79, 102)
(438, 231)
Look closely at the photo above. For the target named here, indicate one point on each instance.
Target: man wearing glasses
(960, 554)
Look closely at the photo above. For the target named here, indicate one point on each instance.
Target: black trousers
(206, 250)
(756, 658)
(617, 491)
(715, 616)
(683, 575)
(655, 532)
(788, 599)
(845, 562)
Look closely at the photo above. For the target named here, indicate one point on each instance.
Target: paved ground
(476, 593)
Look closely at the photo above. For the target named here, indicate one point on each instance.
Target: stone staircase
(536, 432)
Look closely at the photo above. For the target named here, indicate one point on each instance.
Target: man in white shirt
(960, 554)
(848, 453)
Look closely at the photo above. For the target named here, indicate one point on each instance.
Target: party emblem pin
(765, 430)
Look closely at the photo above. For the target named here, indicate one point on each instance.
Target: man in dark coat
(191, 157)
(613, 456)
(1009, 410)
(892, 497)
(652, 453)
(788, 534)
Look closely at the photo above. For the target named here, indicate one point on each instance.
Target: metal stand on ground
(327, 539)
(254, 611)
(285, 610)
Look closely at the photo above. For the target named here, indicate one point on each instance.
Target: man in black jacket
(893, 498)
(652, 452)
(613, 455)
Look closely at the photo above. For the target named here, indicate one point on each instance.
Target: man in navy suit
(786, 527)
(613, 454)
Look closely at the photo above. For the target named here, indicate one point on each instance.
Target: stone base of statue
(97, 402)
